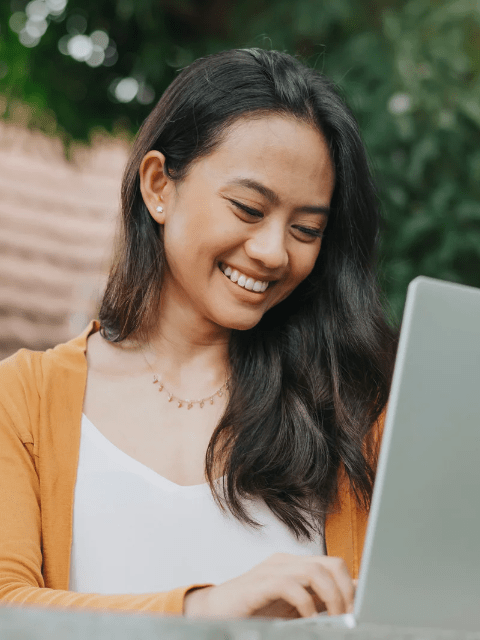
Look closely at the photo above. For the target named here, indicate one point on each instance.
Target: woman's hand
(284, 585)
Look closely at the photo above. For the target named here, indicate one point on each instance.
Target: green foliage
(410, 70)
(427, 154)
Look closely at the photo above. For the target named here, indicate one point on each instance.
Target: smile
(246, 282)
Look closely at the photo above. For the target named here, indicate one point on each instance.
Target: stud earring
(160, 209)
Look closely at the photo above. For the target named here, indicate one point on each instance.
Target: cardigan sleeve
(346, 524)
(21, 579)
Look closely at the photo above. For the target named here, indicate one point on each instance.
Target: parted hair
(311, 379)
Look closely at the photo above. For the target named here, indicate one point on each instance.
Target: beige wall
(57, 221)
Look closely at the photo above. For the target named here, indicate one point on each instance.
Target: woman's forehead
(282, 153)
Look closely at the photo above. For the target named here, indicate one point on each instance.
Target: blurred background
(77, 78)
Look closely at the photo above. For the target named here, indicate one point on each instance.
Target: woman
(217, 426)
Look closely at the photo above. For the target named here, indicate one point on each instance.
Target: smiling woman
(256, 206)
(217, 426)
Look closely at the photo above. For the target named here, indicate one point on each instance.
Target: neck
(188, 354)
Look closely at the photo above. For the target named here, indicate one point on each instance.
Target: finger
(324, 585)
(339, 571)
(293, 593)
(319, 604)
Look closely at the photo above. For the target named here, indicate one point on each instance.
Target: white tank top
(134, 531)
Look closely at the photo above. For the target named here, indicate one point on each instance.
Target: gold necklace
(187, 403)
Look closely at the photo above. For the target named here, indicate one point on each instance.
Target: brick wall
(57, 221)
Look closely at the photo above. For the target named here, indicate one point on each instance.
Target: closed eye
(306, 231)
(249, 210)
(317, 233)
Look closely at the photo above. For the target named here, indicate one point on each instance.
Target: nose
(267, 244)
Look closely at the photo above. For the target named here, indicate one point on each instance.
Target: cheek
(195, 244)
(301, 267)
(183, 237)
(302, 264)
(183, 227)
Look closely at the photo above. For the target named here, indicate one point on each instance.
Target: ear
(155, 185)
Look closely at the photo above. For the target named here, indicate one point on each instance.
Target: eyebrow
(272, 197)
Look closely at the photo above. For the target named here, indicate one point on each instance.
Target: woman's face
(244, 228)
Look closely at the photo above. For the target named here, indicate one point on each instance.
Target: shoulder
(22, 369)
(20, 379)
(28, 378)
(106, 358)
(26, 365)
(102, 354)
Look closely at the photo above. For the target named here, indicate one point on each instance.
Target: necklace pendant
(188, 403)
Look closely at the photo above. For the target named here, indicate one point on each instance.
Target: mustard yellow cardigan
(41, 400)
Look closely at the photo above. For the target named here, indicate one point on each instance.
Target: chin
(239, 324)
(244, 326)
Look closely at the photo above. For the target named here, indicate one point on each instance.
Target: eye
(248, 210)
(309, 232)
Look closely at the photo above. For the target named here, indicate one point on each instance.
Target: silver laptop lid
(421, 562)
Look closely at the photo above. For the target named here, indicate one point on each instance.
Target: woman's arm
(21, 550)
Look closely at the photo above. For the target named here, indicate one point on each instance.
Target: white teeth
(243, 281)
(249, 284)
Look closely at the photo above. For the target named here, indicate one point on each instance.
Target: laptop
(421, 560)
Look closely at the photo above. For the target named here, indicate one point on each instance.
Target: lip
(252, 296)
(222, 266)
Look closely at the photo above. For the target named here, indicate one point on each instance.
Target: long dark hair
(313, 376)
